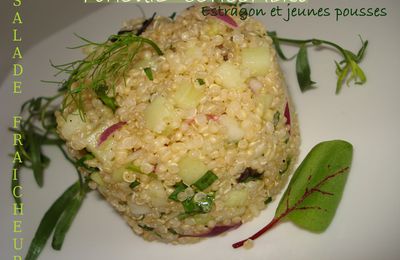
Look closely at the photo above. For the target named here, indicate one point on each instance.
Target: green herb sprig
(37, 129)
(347, 70)
(314, 192)
(98, 72)
(102, 68)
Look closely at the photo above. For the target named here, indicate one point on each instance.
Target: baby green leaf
(316, 187)
(315, 190)
(49, 221)
(303, 70)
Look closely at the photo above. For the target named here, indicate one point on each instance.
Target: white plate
(366, 225)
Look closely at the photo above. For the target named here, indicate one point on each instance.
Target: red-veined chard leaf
(315, 190)
(303, 70)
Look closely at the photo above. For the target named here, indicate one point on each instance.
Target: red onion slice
(228, 20)
(212, 117)
(287, 114)
(106, 133)
(217, 230)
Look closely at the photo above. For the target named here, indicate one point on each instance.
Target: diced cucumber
(97, 178)
(117, 175)
(157, 114)
(73, 124)
(193, 53)
(186, 95)
(234, 131)
(266, 101)
(214, 28)
(236, 198)
(157, 193)
(191, 169)
(202, 219)
(257, 59)
(143, 63)
(228, 75)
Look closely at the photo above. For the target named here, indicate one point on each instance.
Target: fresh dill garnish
(101, 69)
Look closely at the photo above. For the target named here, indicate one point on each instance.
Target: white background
(366, 225)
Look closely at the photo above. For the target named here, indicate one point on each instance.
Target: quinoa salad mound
(200, 139)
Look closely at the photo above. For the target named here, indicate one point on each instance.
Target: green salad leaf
(315, 190)
(317, 186)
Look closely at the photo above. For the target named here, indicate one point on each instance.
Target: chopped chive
(276, 119)
(148, 73)
(268, 200)
(172, 16)
(172, 231)
(179, 187)
(203, 205)
(201, 81)
(205, 181)
(145, 227)
(134, 184)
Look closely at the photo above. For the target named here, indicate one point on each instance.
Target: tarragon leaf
(347, 69)
(36, 157)
(277, 46)
(49, 221)
(303, 70)
(315, 190)
(65, 221)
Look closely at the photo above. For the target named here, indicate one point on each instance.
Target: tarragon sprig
(347, 70)
(98, 72)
